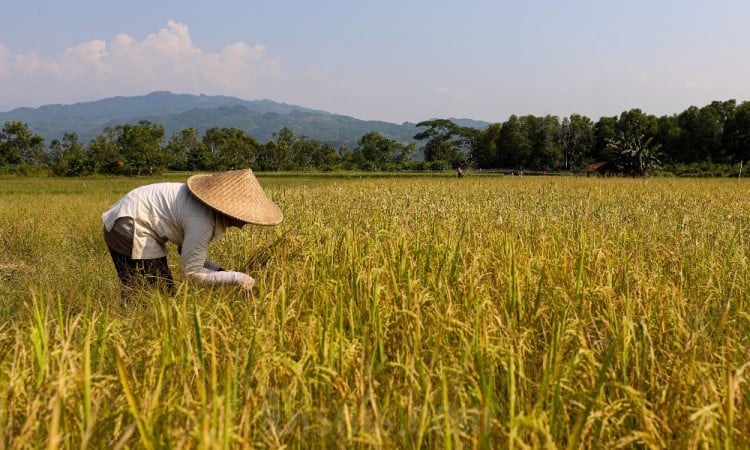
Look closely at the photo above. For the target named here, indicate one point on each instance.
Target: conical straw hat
(237, 194)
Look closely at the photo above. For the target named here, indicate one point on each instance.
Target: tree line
(706, 140)
(709, 140)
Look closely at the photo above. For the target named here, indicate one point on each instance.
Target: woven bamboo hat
(237, 194)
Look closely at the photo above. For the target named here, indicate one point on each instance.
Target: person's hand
(248, 285)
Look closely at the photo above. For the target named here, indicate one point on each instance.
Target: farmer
(190, 215)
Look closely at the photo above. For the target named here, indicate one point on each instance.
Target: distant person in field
(190, 215)
(460, 171)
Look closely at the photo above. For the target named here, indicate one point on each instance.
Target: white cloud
(165, 60)
(86, 59)
(29, 65)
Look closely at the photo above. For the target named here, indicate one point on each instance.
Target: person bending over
(190, 215)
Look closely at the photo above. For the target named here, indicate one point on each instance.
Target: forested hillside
(159, 134)
(175, 112)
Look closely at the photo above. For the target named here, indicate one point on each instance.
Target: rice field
(399, 312)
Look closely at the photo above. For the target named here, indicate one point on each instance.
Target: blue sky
(387, 60)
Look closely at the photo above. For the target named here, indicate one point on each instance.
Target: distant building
(599, 168)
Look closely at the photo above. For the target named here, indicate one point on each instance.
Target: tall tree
(726, 111)
(543, 132)
(379, 152)
(701, 135)
(141, 147)
(187, 151)
(446, 141)
(302, 152)
(513, 145)
(635, 123)
(739, 132)
(69, 157)
(18, 145)
(104, 151)
(231, 148)
(668, 136)
(484, 154)
(634, 155)
(605, 130)
(576, 140)
(324, 156)
(285, 139)
(264, 156)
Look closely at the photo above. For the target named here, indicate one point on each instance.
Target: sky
(396, 61)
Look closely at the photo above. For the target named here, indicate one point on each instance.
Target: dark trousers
(137, 273)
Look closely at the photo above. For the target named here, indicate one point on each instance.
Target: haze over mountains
(258, 118)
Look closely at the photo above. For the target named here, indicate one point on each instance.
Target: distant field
(399, 312)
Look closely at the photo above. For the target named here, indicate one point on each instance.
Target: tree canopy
(717, 134)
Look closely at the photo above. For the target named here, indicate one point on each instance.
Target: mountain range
(175, 112)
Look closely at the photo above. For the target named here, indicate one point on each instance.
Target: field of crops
(401, 312)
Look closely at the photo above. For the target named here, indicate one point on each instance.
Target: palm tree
(634, 155)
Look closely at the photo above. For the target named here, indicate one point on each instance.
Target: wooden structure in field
(600, 169)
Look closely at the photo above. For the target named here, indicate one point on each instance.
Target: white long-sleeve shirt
(168, 212)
